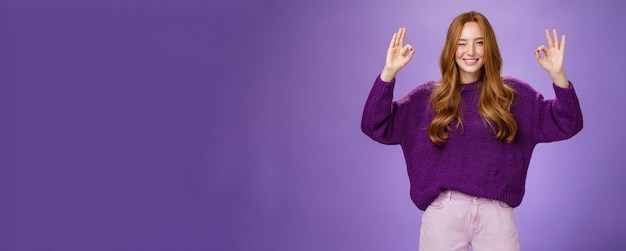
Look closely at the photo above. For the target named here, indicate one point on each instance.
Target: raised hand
(398, 56)
(553, 57)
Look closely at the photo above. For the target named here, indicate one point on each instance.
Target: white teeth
(471, 61)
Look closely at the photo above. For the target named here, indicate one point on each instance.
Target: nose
(470, 50)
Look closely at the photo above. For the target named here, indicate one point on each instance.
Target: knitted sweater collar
(470, 86)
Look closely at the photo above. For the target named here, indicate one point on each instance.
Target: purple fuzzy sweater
(472, 161)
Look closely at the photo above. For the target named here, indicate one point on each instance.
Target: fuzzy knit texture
(472, 160)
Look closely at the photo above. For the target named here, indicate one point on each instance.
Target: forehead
(471, 30)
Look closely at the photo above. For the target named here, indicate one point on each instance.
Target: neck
(468, 78)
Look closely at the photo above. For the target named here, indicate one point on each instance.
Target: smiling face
(469, 53)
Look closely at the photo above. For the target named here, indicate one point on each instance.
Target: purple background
(235, 125)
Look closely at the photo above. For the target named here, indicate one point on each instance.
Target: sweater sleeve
(559, 118)
(380, 115)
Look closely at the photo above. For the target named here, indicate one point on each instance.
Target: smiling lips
(470, 61)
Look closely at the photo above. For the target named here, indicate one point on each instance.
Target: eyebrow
(463, 39)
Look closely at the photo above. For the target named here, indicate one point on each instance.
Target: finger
(540, 49)
(393, 40)
(556, 39)
(410, 56)
(407, 48)
(397, 37)
(550, 43)
(402, 35)
(562, 42)
(537, 54)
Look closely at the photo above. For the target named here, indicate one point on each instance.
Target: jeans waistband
(456, 195)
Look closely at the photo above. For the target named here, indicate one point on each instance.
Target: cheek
(458, 53)
(480, 51)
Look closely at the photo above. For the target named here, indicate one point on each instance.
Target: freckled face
(469, 53)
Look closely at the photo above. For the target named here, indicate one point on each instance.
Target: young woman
(468, 138)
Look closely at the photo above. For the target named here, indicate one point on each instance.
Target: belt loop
(449, 195)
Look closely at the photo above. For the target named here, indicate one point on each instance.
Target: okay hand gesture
(553, 57)
(398, 55)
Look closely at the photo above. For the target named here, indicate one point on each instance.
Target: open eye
(479, 43)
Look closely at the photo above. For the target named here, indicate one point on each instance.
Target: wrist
(560, 79)
(387, 75)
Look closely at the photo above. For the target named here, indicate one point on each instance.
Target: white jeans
(455, 220)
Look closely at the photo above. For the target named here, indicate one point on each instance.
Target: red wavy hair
(496, 98)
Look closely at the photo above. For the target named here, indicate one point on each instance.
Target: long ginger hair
(496, 98)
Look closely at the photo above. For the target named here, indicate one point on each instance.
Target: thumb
(539, 50)
(537, 54)
(410, 55)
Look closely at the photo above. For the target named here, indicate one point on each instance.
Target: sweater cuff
(380, 80)
(382, 89)
(565, 94)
